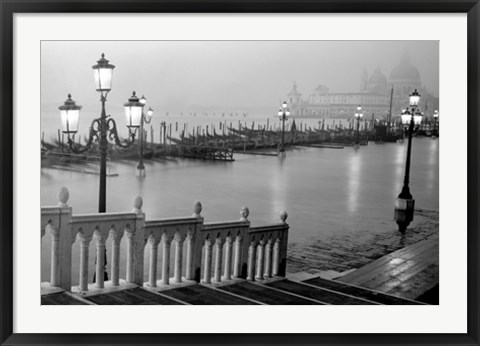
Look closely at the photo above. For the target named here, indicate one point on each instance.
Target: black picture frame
(11, 7)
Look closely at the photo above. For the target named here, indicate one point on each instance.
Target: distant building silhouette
(373, 96)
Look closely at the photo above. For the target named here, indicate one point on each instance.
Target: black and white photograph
(239, 172)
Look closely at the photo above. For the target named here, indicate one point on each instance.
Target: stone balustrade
(210, 253)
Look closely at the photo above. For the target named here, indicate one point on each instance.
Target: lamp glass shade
(406, 118)
(150, 113)
(417, 119)
(435, 114)
(69, 120)
(287, 113)
(284, 105)
(103, 79)
(102, 73)
(414, 98)
(133, 115)
(280, 113)
(69, 115)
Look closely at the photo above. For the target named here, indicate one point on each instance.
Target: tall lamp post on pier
(358, 116)
(102, 129)
(405, 204)
(283, 114)
(145, 118)
(435, 119)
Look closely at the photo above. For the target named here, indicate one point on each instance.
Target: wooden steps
(202, 295)
(359, 292)
(61, 298)
(267, 295)
(134, 296)
(319, 293)
(315, 291)
(408, 273)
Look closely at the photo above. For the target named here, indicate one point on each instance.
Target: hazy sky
(222, 73)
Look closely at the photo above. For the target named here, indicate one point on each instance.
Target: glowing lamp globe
(149, 114)
(406, 117)
(103, 72)
(69, 115)
(133, 111)
(417, 118)
(414, 98)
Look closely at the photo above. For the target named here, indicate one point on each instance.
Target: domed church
(374, 95)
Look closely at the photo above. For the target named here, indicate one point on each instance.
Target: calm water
(324, 191)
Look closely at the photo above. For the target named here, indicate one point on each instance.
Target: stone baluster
(115, 266)
(140, 240)
(166, 242)
(228, 258)
(282, 265)
(178, 259)
(83, 279)
(218, 259)
(260, 259)
(100, 266)
(237, 264)
(207, 272)
(189, 274)
(55, 259)
(152, 274)
(65, 241)
(268, 258)
(130, 255)
(276, 257)
(251, 260)
(195, 265)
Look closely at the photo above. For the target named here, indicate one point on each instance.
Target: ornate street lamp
(102, 129)
(283, 114)
(144, 118)
(435, 119)
(405, 204)
(358, 116)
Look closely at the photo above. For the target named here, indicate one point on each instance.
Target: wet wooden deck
(406, 273)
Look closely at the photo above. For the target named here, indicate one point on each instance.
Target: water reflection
(354, 180)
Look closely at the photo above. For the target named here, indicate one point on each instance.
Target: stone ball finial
(197, 208)
(244, 212)
(63, 196)
(137, 204)
(283, 216)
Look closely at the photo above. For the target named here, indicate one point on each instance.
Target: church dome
(377, 78)
(405, 71)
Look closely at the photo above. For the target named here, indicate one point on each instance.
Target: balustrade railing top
(203, 252)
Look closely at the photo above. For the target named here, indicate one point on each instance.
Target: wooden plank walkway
(201, 295)
(319, 293)
(406, 273)
(134, 296)
(267, 295)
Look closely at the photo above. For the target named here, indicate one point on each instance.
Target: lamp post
(358, 116)
(283, 114)
(145, 118)
(435, 119)
(103, 128)
(404, 204)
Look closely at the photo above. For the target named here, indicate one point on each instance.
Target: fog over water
(195, 74)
